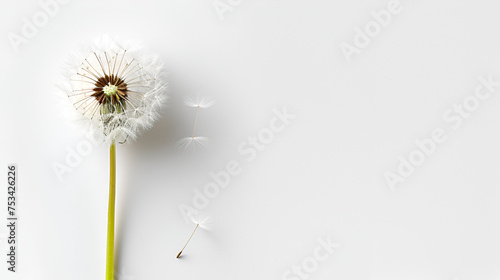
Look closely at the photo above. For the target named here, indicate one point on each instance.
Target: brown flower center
(110, 90)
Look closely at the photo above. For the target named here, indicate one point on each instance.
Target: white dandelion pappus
(116, 88)
(197, 102)
(201, 219)
(192, 143)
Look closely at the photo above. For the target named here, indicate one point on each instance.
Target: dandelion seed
(199, 220)
(201, 102)
(196, 142)
(192, 143)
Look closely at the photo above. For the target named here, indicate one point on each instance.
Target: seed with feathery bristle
(196, 142)
(201, 221)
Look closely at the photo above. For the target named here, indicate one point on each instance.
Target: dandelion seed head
(115, 88)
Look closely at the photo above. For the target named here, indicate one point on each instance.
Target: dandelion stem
(178, 255)
(110, 247)
(195, 120)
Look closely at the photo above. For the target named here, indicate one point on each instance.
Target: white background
(323, 176)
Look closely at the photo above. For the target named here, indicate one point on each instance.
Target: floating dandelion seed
(199, 220)
(192, 143)
(197, 102)
(196, 142)
(116, 90)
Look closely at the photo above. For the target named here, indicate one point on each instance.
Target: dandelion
(199, 220)
(115, 90)
(195, 142)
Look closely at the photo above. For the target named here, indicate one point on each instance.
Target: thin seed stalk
(110, 245)
(179, 254)
(195, 120)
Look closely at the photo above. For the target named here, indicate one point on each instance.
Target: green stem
(110, 247)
